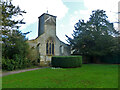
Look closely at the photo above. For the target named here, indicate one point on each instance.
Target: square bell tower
(47, 24)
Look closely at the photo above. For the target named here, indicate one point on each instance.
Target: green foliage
(8, 64)
(16, 63)
(66, 61)
(96, 37)
(113, 59)
(9, 12)
(14, 44)
(33, 56)
(15, 49)
(13, 39)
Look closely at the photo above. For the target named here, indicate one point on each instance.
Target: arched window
(61, 49)
(50, 47)
(47, 47)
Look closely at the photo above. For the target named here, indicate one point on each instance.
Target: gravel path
(19, 71)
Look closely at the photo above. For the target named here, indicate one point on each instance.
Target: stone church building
(47, 43)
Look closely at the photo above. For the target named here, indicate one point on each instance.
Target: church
(47, 43)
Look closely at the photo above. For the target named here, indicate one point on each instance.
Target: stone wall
(47, 31)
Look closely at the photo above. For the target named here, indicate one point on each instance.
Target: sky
(68, 13)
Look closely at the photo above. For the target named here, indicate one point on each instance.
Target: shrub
(8, 64)
(66, 61)
(17, 62)
(33, 56)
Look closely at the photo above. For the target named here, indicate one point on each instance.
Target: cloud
(79, 15)
(76, 12)
(35, 8)
(72, 0)
(110, 6)
(62, 25)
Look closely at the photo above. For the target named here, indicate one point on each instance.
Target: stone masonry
(47, 43)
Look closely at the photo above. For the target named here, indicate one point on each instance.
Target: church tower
(47, 44)
(47, 24)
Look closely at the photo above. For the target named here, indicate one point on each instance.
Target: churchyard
(89, 60)
(87, 76)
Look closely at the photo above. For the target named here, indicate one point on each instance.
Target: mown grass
(87, 76)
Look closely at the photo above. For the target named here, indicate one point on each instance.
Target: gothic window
(47, 48)
(61, 49)
(50, 47)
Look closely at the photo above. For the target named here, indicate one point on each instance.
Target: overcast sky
(68, 13)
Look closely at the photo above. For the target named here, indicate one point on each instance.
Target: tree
(9, 12)
(14, 46)
(10, 26)
(95, 37)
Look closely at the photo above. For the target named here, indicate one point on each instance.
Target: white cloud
(85, 14)
(76, 12)
(110, 6)
(79, 15)
(72, 0)
(62, 25)
(35, 8)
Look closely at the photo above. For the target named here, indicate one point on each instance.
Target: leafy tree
(14, 47)
(95, 37)
(9, 12)
(10, 26)
(15, 44)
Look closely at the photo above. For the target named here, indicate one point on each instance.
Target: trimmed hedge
(66, 61)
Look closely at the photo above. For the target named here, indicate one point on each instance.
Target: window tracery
(50, 47)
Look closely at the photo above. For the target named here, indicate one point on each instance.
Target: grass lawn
(88, 76)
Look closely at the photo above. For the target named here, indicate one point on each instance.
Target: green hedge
(66, 61)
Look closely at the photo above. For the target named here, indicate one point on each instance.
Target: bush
(66, 61)
(8, 64)
(17, 62)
